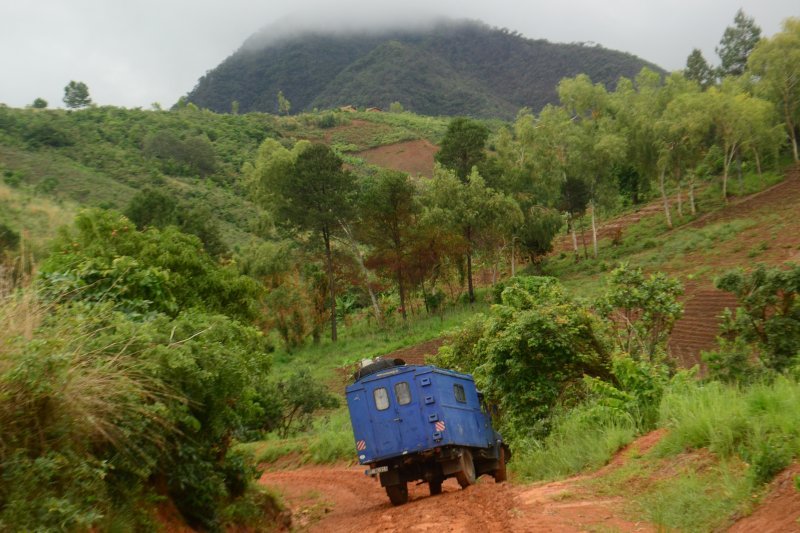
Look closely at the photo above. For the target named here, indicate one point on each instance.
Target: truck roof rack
(376, 366)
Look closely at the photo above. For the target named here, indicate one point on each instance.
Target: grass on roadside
(329, 440)
(723, 444)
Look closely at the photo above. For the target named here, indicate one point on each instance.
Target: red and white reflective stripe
(361, 445)
(440, 425)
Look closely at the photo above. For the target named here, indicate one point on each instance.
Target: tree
(768, 315)
(642, 311)
(317, 196)
(737, 118)
(776, 61)
(575, 197)
(388, 209)
(151, 207)
(698, 70)
(529, 351)
(683, 130)
(469, 209)
(462, 146)
(39, 103)
(283, 104)
(736, 44)
(538, 230)
(76, 95)
(600, 145)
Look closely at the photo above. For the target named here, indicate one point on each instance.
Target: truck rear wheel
(466, 476)
(398, 494)
(435, 486)
(500, 474)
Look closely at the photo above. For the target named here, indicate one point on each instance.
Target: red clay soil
(780, 509)
(415, 355)
(703, 304)
(697, 330)
(412, 157)
(343, 499)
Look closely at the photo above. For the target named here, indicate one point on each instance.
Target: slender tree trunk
(583, 239)
(575, 241)
(790, 126)
(402, 290)
(376, 309)
(513, 259)
(663, 186)
(594, 231)
(758, 163)
(680, 201)
(469, 266)
(739, 172)
(331, 282)
(692, 205)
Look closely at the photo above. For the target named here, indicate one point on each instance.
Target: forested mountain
(452, 68)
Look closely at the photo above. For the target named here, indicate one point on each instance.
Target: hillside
(454, 68)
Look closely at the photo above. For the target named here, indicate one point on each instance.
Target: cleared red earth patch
(780, 510)
(412, 157)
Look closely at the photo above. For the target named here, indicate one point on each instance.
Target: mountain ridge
(450, 68)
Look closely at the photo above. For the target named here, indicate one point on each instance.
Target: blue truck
(422, 423)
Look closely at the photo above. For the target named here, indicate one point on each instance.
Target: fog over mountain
(135, 53)
(441, 67)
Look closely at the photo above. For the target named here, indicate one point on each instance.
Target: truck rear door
(396, 415)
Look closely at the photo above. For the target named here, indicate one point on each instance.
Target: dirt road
(343, 499)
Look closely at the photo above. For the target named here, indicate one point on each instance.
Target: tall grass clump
(582, 439)
(68, 406)
(759, 424)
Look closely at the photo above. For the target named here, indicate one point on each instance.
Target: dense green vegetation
(146, 354)
(453, 68)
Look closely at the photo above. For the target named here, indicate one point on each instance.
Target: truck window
(381, 399)
(459, 392)
(403, 393)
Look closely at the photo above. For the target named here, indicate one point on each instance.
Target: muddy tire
(500, 474)
(398, 494)
(466, 476)
(435, 486)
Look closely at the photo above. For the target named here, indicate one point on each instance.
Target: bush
(532, 352)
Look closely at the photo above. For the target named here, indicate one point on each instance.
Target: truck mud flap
(392, 477)
(451, 466)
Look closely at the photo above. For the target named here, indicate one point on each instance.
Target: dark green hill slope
(464, 68)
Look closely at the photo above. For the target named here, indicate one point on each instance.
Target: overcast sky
(132, 53)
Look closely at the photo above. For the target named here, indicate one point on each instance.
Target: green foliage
(698, 70)
(283, 104)
(768, 316)
(76, 95)
(736, 44)
(153, 208)
(183, 157)
(533, 352)
(300, 396)
(39, 103)
(734, 361)
(463, 146)
(104, 258)
(128, 373)
(538, 231)
(643, 311)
